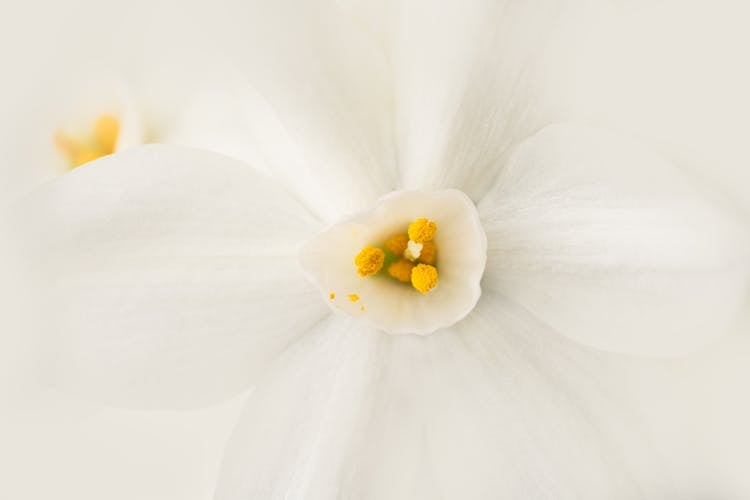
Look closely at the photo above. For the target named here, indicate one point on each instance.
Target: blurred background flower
(75, 66)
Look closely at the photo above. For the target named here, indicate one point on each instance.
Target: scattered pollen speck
(331, 295)
(353, 297)
(362, 308)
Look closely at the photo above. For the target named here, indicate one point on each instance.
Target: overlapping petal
(355, 101)
(612, 245)
(496, 407)
(472, 80)
(318, 103)
(164, 276)
(295, 435)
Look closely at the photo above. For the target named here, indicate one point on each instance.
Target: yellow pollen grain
(428, 255)
(422, 230)
(362, 308)
(369, 261)
(331, 295)
(353, 297)
(424, 277)
(401, 270)
(396, 244)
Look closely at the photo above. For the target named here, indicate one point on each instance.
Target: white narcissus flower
(175, 277)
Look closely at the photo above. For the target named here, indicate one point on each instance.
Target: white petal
(320, 103)
(611, 245)
(386, 303)
(472, 80)
(498, 407)
(228, 117)
(165, 276)
(698, 103)
(300, 416)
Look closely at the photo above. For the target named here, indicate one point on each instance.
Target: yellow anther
(353, 297)
(101, 142)
(106, 131)
(77, 152)
(424, 277)
(331, 295)
(369, 261)
(422, 230)
(401, 270)
(396, 244)
(428, 255)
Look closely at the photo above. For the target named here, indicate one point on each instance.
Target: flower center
(407, 257)
(398, 269)
(83, 148)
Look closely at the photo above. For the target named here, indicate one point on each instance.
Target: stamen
(422, 230)
(369, 261)
(409, 259)
(101, 142)
(401, 270)
(353, 297)
(396, 244)
(428, 255)
(77, 152)
(106, 131)
(424, 277)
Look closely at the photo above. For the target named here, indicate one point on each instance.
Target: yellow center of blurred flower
(407, 257)
(81, 149)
